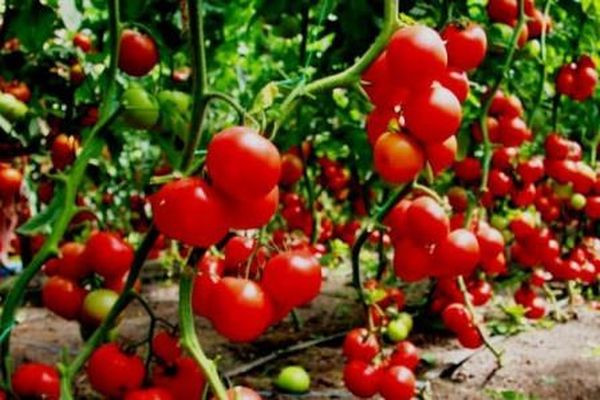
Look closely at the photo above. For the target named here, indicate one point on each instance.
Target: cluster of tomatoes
(73, 290)
(417, 85)
(577, 80)
(240, 308)
(507, 12)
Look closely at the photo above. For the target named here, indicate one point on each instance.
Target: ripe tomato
(184, 380)
(457, 82)
(457, 318)
(458, 254)
(63, 297)
(442, 155)
(500, 184)
(592, 207)
(433, 114)
(141, 109)
(292, 278)
(405, 354)
(470, 338)
(532, 170)
(469, 169)
(378, 122)
(253, 213)
(242, 163)
(71, 264)
(412, 262)
(513, 131)
(556, 147)
(179, 206)
(491, 241)
(235, 297)
(137, 53)
(428, 221)
(83, 41)
(481, 292)
(565, 79)
(292, 168)
(416, 55)
(360, 344)
(398, 158)
(148, 394)
(112, 372)
(166, 347)
(63, 151)
(492, 128)
(505, 11)
(19, 90)
(396, 219)
(211, 264)
(375, 80)
(97, 305)
(362, 379)
(237, 250)
(204, 284)
(397, 383)
(466, 46)
(538, 23)
(36, 381)
(108, 255)
(10, 183)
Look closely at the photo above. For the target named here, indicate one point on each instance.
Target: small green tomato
(293, 379)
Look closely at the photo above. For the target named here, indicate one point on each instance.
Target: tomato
(406, 355)
(532, 170)
(293, 379)
(138, 53)
(83, 41)
(538, 23)
(375, 81)
(458, 254)
(20, 90)
(536, 309)
(505, 11)
(166, 347)
(469, 169)
(36, 381)
(148, 394)
(360, 344)
(174, 100)
(499, 183)
(415, 55)
(427, 220)
(140, 108)
(398, 158)
(494, 266)
(457, 82)
(396, 331)
(433, 114)
(492, 130)
(481, 292)
(11, 180)
(592, 207)
(292, 169)
(242, 163)
(96, 306)
(233, 297)
(183, 380)
(397, 383)
(63, 297)
(442, 155)
(63, 151)
(292, 278)
(565, 79)
(211, 264)
(556, 147)
(513, 131)
(76, 74)
(204, 284)
(491, 241)
(470, 338)
(108, 255)
(253, 213)
(361, 379)
(241, 393)
(508, 106)
(466, 46)
(12, 108)
(396, 218)
(237, 250)
(178, 207)
(378, 123)
(112, 372)
(457, 318)
(412, 262)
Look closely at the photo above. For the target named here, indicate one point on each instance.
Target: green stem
(487, 145)
(539, 97)
(114, 26)
(234, 104)
(350, 75)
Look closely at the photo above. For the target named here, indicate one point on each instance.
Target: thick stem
(487, 145)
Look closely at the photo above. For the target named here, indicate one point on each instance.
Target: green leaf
(265, 98)
(33, 24)
(41, 223)
(71, 16)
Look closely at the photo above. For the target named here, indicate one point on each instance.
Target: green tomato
(578, 201)
(499, 222)
(174, 100)
(407, 319)
(397, 330)
(293, 379)
(532, 49)
(141, 108)
(564, 192)
(12, 108)
(97, 305)
(499, 36)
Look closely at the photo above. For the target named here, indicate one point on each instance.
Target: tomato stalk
(487, 145)
(539, 96)
(558, 314)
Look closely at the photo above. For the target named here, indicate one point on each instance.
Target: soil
(561, 363)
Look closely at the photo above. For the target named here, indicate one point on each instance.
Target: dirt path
(561, 363)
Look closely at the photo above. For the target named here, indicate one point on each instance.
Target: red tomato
(592, 207)
(412, 262)
(71, 263)
(513, 131)
(83, 41)
(398, 383)
(112, 372)
(292, 278)
(481, 292)
(361, 379)
(378, 122)
(433, 114)
(466, 45)
(253, 213)
(232, 298)
(204, 284)
(360, 344)
(442, 155)
(138, 53)
(458, 254)
(149, 394)
(557, 147)
(427, 220)
(63, 297)
(211, 264)
(237, 250)
(63, 151)
(505, 11)
(491, 241)
(10, 183)
(19, 90)
(469, 169)
(538, 23)
(242, 163)
(184, 380)
(291, 169)
(396, 219)
(470, 338)
(492, 128)
(375, 80)
(494, 266)
(406, 355)
(499, 183)
(457, 318)
(166, 347)
(508, 106)
(398, 158)
(36, 381)
(415, 55)
(565, 79)
(532, 170)
(108, 255)
(457, 82)
(179, 206)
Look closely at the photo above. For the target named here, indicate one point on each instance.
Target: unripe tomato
(466, 46)
(113, 373)
(397, 330)
(63, 297)
(140, 108)
(12, 108)
(96, 306)
(428, 221)
(63, 151)
(183, 380)
(36, 381)
(292, 278)
(137, 53)
(398, 158)
(360, 344)
(232, 297)
(361, 379)
(293, 379)
(397, 383)
(242, 163)
(148, 394)
(108, 255)
(174, 100)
